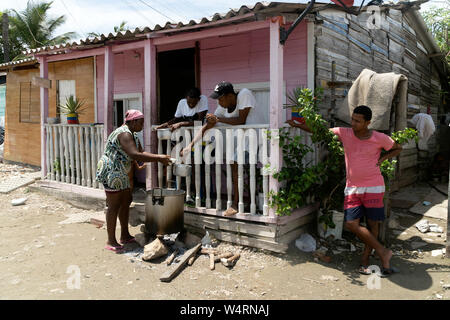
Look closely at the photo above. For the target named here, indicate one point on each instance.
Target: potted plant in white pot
(72, 108)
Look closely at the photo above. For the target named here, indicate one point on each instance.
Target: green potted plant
(72, 108)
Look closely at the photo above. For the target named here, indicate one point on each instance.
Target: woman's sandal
(118, 249)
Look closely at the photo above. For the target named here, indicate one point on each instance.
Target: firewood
(191, 260)
(172, 257)
(208, 251)
(175, 268)
(223, 255)
(230, 261)
(211, 261)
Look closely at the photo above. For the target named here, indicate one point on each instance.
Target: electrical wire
(139, 12)
(145, 3)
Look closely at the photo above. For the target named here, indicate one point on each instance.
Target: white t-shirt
(244, 99)
(183, 109)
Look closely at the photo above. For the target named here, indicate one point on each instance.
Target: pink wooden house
(150, 69)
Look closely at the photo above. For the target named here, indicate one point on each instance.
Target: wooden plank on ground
(175, 268)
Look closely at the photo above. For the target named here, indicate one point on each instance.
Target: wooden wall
(393, 47)
(22, 143)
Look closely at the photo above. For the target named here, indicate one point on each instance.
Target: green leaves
(301, 180)
(72, 105)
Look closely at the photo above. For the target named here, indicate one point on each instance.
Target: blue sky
(101, 16)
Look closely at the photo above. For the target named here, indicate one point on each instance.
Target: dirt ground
(44, 248)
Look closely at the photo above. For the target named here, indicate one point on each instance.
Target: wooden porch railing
(72, 153)
(258, 157)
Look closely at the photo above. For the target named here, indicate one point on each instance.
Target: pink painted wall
(238, 58)
(128, 76)
(245, 58)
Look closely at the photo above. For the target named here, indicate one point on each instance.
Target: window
(65, 89)
(30, 107)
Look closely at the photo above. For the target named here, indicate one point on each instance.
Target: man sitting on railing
(193, 108)
(233, 109)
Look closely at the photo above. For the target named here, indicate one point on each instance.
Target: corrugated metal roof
(244, 13)
(171, 27)
(17, 62)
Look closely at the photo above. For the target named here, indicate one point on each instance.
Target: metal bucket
(164, 211)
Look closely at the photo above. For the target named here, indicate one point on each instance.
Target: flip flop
(131, 240)
(118, 249)
(386, 272)
(364, 270)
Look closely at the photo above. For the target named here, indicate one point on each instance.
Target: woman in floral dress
(112, 171)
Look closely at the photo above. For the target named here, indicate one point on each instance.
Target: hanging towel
(377, 91)
(425, 126)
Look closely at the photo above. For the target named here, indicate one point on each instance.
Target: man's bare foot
(230, 212)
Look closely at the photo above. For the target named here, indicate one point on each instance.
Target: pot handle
(157, 196)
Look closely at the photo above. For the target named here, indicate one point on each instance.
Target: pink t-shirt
(361, 157)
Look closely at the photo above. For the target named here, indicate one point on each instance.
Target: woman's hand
(164, 159)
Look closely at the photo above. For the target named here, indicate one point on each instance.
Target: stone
(142, 239)
(154, 250)
(418, 244)
(437, 253)
(393, 223)
(18, 202)
(330, 278)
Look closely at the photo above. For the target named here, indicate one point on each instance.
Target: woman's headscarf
(133, 114)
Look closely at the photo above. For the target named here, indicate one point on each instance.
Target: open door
(176, 74)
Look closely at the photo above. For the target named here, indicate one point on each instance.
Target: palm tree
(35, 28)
(122, 27)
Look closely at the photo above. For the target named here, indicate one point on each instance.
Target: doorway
(176, 74)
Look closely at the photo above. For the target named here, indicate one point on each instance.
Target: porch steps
(270, 236)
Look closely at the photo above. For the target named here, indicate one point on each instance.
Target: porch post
(276, 101)
(43, 73)
(149, 107)
(108, 93)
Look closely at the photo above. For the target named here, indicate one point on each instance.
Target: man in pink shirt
(364, 189)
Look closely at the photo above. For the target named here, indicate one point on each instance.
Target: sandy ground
(41, 258)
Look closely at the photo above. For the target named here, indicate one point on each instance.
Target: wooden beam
(175, 268)
(43, 72)
(447, 250)
(311, 46)
(41, 82)
(150, 103)
(276, 101)
(76, 55)
(216, 32)
(108, 92)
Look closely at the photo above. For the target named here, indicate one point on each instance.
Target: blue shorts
(375, 214)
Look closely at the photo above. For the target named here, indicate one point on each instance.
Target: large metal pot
(164, 211)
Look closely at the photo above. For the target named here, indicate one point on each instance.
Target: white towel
(425, 126)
